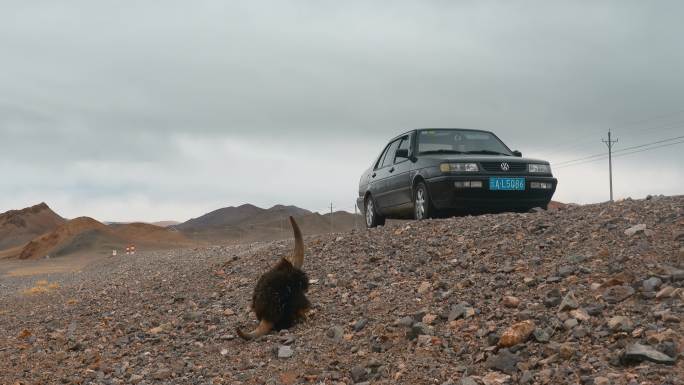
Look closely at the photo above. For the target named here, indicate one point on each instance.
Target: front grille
(512, 167)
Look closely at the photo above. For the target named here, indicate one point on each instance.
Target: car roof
(451, 128)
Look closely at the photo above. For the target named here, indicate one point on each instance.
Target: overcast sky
(152, 110)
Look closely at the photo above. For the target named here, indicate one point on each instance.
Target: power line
(621, 126)
(564, 163)
(619, 155)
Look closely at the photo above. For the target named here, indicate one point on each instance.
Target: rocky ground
(581, 295)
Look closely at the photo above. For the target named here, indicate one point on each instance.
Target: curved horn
(298, 255)
(263, 329)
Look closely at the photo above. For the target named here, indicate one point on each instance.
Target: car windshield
(460, 142)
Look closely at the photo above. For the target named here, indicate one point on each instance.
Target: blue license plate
(507, 184)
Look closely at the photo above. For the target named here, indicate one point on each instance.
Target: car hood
(481, 158)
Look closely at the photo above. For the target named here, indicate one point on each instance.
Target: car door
(399, 180)
(380, 176)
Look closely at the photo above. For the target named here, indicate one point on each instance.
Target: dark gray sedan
(429, 172)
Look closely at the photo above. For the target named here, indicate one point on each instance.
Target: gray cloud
(170, 107)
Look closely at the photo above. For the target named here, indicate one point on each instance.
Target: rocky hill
(249, 223)
(578, 295)
(17, 227)
(87, 236)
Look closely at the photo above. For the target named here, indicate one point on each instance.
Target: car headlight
(459, 167)
(539, 168)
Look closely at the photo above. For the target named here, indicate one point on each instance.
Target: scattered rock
(552, 298)
(567, 351)
(517, 333)
(620, 324)
(358, 374)
(637, 353)
(580, 315)
(510, 301)
(360, 324)
(635, 229)
(651, 284)
(541, 335)
(615, 294)
(424, 287)
(504, 361)
(285, 351)
(494, 378)
(335, 333)
(569, 302)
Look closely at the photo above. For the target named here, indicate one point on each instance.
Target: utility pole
(610, 143)
(331, 218)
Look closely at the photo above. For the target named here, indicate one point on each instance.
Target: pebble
(620, 324)
(285, 351)
(510, 301)
(360, 324)
(635, 229)
(569, 302)
(517, 333)
(651, 284)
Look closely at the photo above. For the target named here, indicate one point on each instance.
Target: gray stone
(615, 294)
(162, 374)
(418, 329)
(635, 229)
(552, 298)
(504, 362)
(358, 374)
(651, 284)
(457, 311)
(566, 271)
(360, 324)
(541, 335)
(527, 377)
(620, 324)
(576, 258)
(570, 323)
(285, 351)
(405, 321)
(569, 302)
(467, 381)
(335, 333)
(638, 353)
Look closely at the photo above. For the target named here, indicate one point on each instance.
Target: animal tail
(263, 329)
(298, 255)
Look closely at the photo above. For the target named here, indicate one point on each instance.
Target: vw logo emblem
(505, 166)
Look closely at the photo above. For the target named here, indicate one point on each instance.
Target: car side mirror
(517, 153)
(402, 153)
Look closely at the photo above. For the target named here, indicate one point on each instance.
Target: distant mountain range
(37, 231)
(249, 223)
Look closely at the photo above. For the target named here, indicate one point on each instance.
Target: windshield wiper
(486, 152)
(442, 151)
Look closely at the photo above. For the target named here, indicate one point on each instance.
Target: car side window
(389, 156)
(404, 145)
(378, 164)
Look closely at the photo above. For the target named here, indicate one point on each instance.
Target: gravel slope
(593, 295)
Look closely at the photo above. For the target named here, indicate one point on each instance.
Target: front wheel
(372, 217)
(421, 202)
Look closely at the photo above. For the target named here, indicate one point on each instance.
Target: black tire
(422, 207)
(373, 219)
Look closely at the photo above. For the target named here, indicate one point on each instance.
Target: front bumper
(444, 194)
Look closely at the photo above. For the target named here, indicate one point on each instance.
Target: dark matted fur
(279, 295)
